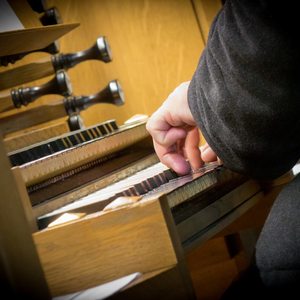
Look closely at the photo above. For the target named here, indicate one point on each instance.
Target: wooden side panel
(104, 247)
(36, 134)
(20, 270)
(19, 41)
(26, 15)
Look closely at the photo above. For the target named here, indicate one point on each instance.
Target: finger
(192, 150)
(204, 147)
(162, 132)
(172, 137)
(172, 159)
(208, 155)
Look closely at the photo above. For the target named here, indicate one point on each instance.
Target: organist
(244, 97)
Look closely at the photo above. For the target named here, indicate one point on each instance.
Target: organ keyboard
(86, 172)
(110, 179)
(44, 165)
(51, 170)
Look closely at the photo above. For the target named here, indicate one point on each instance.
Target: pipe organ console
(107, 170)
(100, 203)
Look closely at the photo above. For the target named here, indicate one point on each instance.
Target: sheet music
(296, 168)
(102, 291)
(8, 19)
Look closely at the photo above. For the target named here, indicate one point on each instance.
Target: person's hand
(175, 135)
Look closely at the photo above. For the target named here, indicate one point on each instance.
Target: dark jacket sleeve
(245, 93)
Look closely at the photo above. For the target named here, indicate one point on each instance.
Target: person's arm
(244, 96)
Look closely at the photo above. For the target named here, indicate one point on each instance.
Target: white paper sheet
(8, 19)
(102, 291)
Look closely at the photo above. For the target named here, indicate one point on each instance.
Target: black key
(160, 178)
(107, 128)
(15, 160)
(97, 131)
(170, 174)
(146, 186)
(67, 142)
(140, 189)
(58, 145)
(133, 191)
(47, 148)
(152, 183)
(85, 136)
(26, 156)
(36, 152)
(114, 125)
(92, 133)
(73, 140)
(102, 129)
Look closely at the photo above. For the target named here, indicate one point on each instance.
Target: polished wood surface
(23, 40)
(6, 102)
(25, 119)
(25, 14)
(18, 253)
(105, 246)
(26, 73)
(155, 46)
(21, 188)
(35, 134)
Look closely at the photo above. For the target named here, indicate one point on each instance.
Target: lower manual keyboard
(155, 179)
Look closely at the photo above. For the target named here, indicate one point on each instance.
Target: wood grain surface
(23, 40)
(20, 271)
(104, 247)
(155, 45)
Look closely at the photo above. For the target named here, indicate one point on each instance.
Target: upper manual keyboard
(57, 144)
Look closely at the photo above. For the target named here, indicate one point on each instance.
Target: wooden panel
(213, 251)
(211, 282)
(20, 268)
(155, 44)
(104, 247)
(206, 10)
(27, 207)
(18, 41)
(26, 15)
(14, 76)
(32, 135)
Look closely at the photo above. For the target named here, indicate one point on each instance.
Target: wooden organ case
(131, 213)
